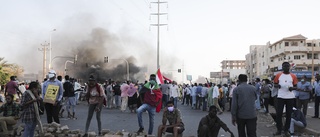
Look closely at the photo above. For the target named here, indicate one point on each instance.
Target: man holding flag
(152, 99)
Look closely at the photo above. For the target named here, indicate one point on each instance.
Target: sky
(199, 35)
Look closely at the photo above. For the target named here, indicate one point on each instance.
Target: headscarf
(132, 90)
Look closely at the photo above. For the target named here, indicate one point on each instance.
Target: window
(301, 41)
(309, 44)
(294, 43)
(271, 60)
(286, 44)
(296, 57)
(309, 56)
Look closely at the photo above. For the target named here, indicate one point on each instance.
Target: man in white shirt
(215, 96)
(77, 89)
(174, 93)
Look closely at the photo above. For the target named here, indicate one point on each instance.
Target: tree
(7, 70)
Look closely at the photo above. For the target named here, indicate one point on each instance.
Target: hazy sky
(201, 33)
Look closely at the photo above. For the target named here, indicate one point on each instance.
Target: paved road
(115, 120)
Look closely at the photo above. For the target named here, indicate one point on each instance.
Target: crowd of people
(28, 101)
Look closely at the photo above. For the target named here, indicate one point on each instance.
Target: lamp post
(65, 66)
(106, 60)
(50, 48)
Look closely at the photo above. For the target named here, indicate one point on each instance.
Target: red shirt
(11, 87)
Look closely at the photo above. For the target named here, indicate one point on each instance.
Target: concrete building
(266, 60)
(231, 69)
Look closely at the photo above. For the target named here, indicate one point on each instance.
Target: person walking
(70, 97)
(95, 96)
(286, 82)
(30, 113)
(243, 108)
(152, 97)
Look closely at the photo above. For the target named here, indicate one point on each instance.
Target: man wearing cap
(52, 110)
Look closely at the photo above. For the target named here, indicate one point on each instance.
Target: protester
(204, 95)
(165, 92)
(124, 96)
(243, 108)
(109, 93)
(258, 92)
(77, 89)
(117, 94)
(10, 112)
(70, 97)
(317, 98)
(173, 116)
(133, 97)
(52, 110)
(194, 95)
(215, 98)
(188, 95)
(151, 99)
(12, 88)
(286, 82)
(298, 119)
(266, 92)
(30, 113)
(210, 125)
(198, 96)
(232, 86)
(95, 95)
(174, 93)
(304, 88)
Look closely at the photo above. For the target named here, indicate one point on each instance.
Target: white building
(264, 60)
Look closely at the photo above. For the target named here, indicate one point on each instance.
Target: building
(256, 61)
(266, 60)
(230, 70)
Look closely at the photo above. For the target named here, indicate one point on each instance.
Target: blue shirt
(56, 83)
(302, 94)
(317, 89)
(258, 87)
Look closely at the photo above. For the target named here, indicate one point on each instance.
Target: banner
(51, 94)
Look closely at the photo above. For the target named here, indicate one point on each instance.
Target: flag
(167, 79)
(159, 77)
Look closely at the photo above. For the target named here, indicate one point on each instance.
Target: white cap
(52, 73)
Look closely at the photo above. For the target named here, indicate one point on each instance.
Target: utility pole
(312, 72)
(158, 28)
(44, 49)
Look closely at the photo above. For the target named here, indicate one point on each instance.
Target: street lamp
(65, 66)
(50, 47)
(106, 60)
